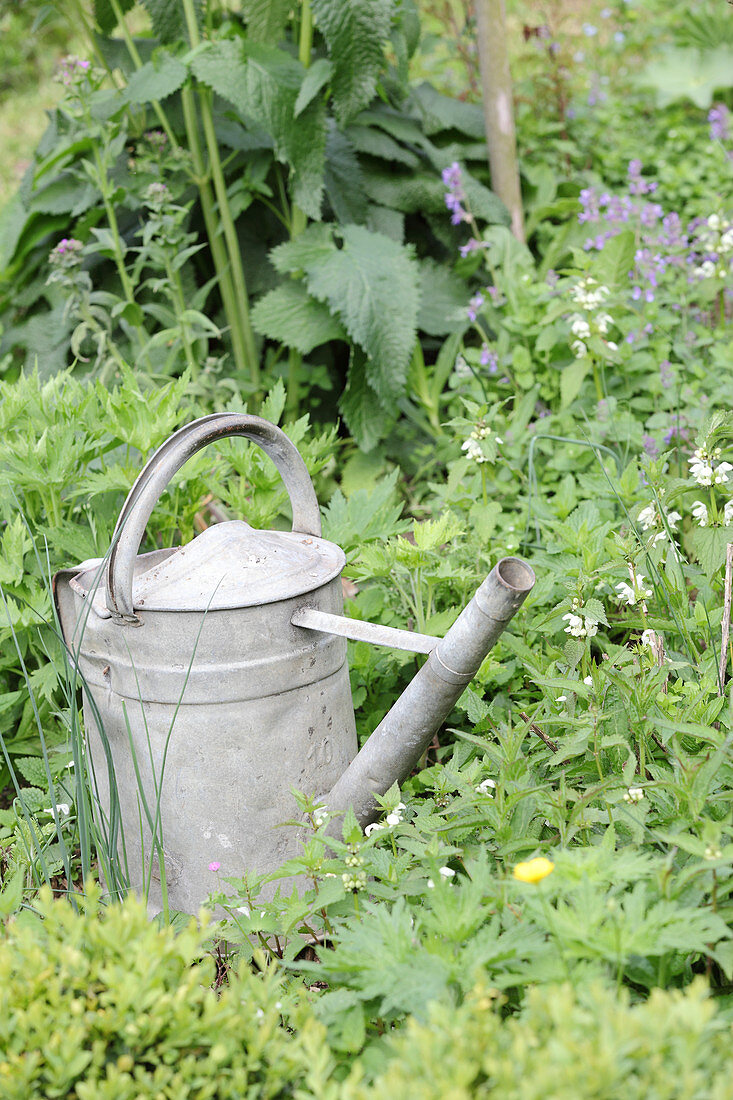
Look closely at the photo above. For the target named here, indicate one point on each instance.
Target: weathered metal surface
(221, 667)
(360, 631)
(402, 736)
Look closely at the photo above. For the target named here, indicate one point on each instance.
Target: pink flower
(214, 866)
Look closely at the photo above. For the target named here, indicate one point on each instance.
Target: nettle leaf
(315, 78)
(424, 193)
(263, 83)
(367, 515)
(572, 379)
(105, 15)
(356, 32)
(266, 19)
(368, 139)
(372, 283)
(709, 545)
(441, 112)
(442, 300)
(366, 417)
(169, 20)
(290, 315)
(343, 179)
(310, 248)
(163, 75)
(617, 258)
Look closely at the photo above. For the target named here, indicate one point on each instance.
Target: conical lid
(233, 565)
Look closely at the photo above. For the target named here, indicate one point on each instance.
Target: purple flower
(67, 253)
(650, 445)
(474, 306)
(214, 866)
(472, 245)
(455, 197)
(718, 119)
(489, 358)
(666, 373)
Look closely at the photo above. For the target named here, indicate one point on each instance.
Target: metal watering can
(222, 664)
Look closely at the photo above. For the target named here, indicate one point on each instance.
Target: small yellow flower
(534, 870)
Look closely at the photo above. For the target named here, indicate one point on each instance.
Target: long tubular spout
(405, 732)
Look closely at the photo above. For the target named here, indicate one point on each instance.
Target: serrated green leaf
(616, 260)
(159, 78)
(291, 316)
(356, 32)
(424, 193)
(169, 20)
(313, 246)
(343, 179)
(709, 546)
(64, 194)
(371, 140)
(372, 284)
(266, 19)
(316, 77)
(441, 112)
(442, 300)
(366, 417)
(260, 84)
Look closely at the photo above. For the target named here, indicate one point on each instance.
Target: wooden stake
(496, 82)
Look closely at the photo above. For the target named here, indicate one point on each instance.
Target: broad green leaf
(65, 194)
(266, 19)
(366, 417)
(290, 315)
(169, 20)
(343, 179)
(616, 259)
(316, 77)
(441, 112)
(442, 300)
(260, 83)
(156, 80)
(372, 284)
(375, 142)
(356, 32)
(709, 545)
(312, 247)
(424, 193)
(572, 379)
(105, 15)
(12, 220)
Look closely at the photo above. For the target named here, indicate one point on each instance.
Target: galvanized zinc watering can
(217, 672)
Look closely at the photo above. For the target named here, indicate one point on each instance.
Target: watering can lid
(233, 565)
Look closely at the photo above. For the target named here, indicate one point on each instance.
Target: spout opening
(516, 574)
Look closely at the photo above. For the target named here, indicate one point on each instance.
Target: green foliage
(107, 1004)
(582, 1042)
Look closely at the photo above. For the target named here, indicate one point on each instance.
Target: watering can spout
(403, 735)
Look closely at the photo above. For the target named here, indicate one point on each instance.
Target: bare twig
(536, 729)
(725, 637)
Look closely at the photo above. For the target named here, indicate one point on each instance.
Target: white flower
(649, 637)
(62, 809)
(578, 348)
(728, 513)
(721, 472)
(588, 680)
(446, 872)
(373, 828)
(714, 221)
(712, 853)
(603, 320)
(561, 699)
(705, 270)
(726, 241)
(634, 794)
(611, 345)
(634, 592)
(243, 909)
(430, 884)
(580, 327)
(700, 513)
(486, 786)
(648, 517)
(393, 819)
(575, 625)
(473, 450)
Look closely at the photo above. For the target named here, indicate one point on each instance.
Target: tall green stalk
(239, 318)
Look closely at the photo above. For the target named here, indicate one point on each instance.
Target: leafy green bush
(107, 1006)
(584, 1042)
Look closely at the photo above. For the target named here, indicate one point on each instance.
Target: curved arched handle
(167, 460)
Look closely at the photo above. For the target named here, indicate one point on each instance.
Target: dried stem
(725, 637)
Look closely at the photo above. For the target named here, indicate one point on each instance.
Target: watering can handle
(167, 460)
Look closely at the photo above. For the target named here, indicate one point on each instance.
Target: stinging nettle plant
(263, 183)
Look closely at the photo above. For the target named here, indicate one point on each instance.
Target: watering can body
(216, 683)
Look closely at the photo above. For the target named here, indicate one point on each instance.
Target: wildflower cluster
(72, 70)
(635, 592)
(354, 879)
(589, 296)
(394, 817)
(707, 469)
(67, 253)
(658, 520)
(473, 445)
(579, 626)
(713, 244)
